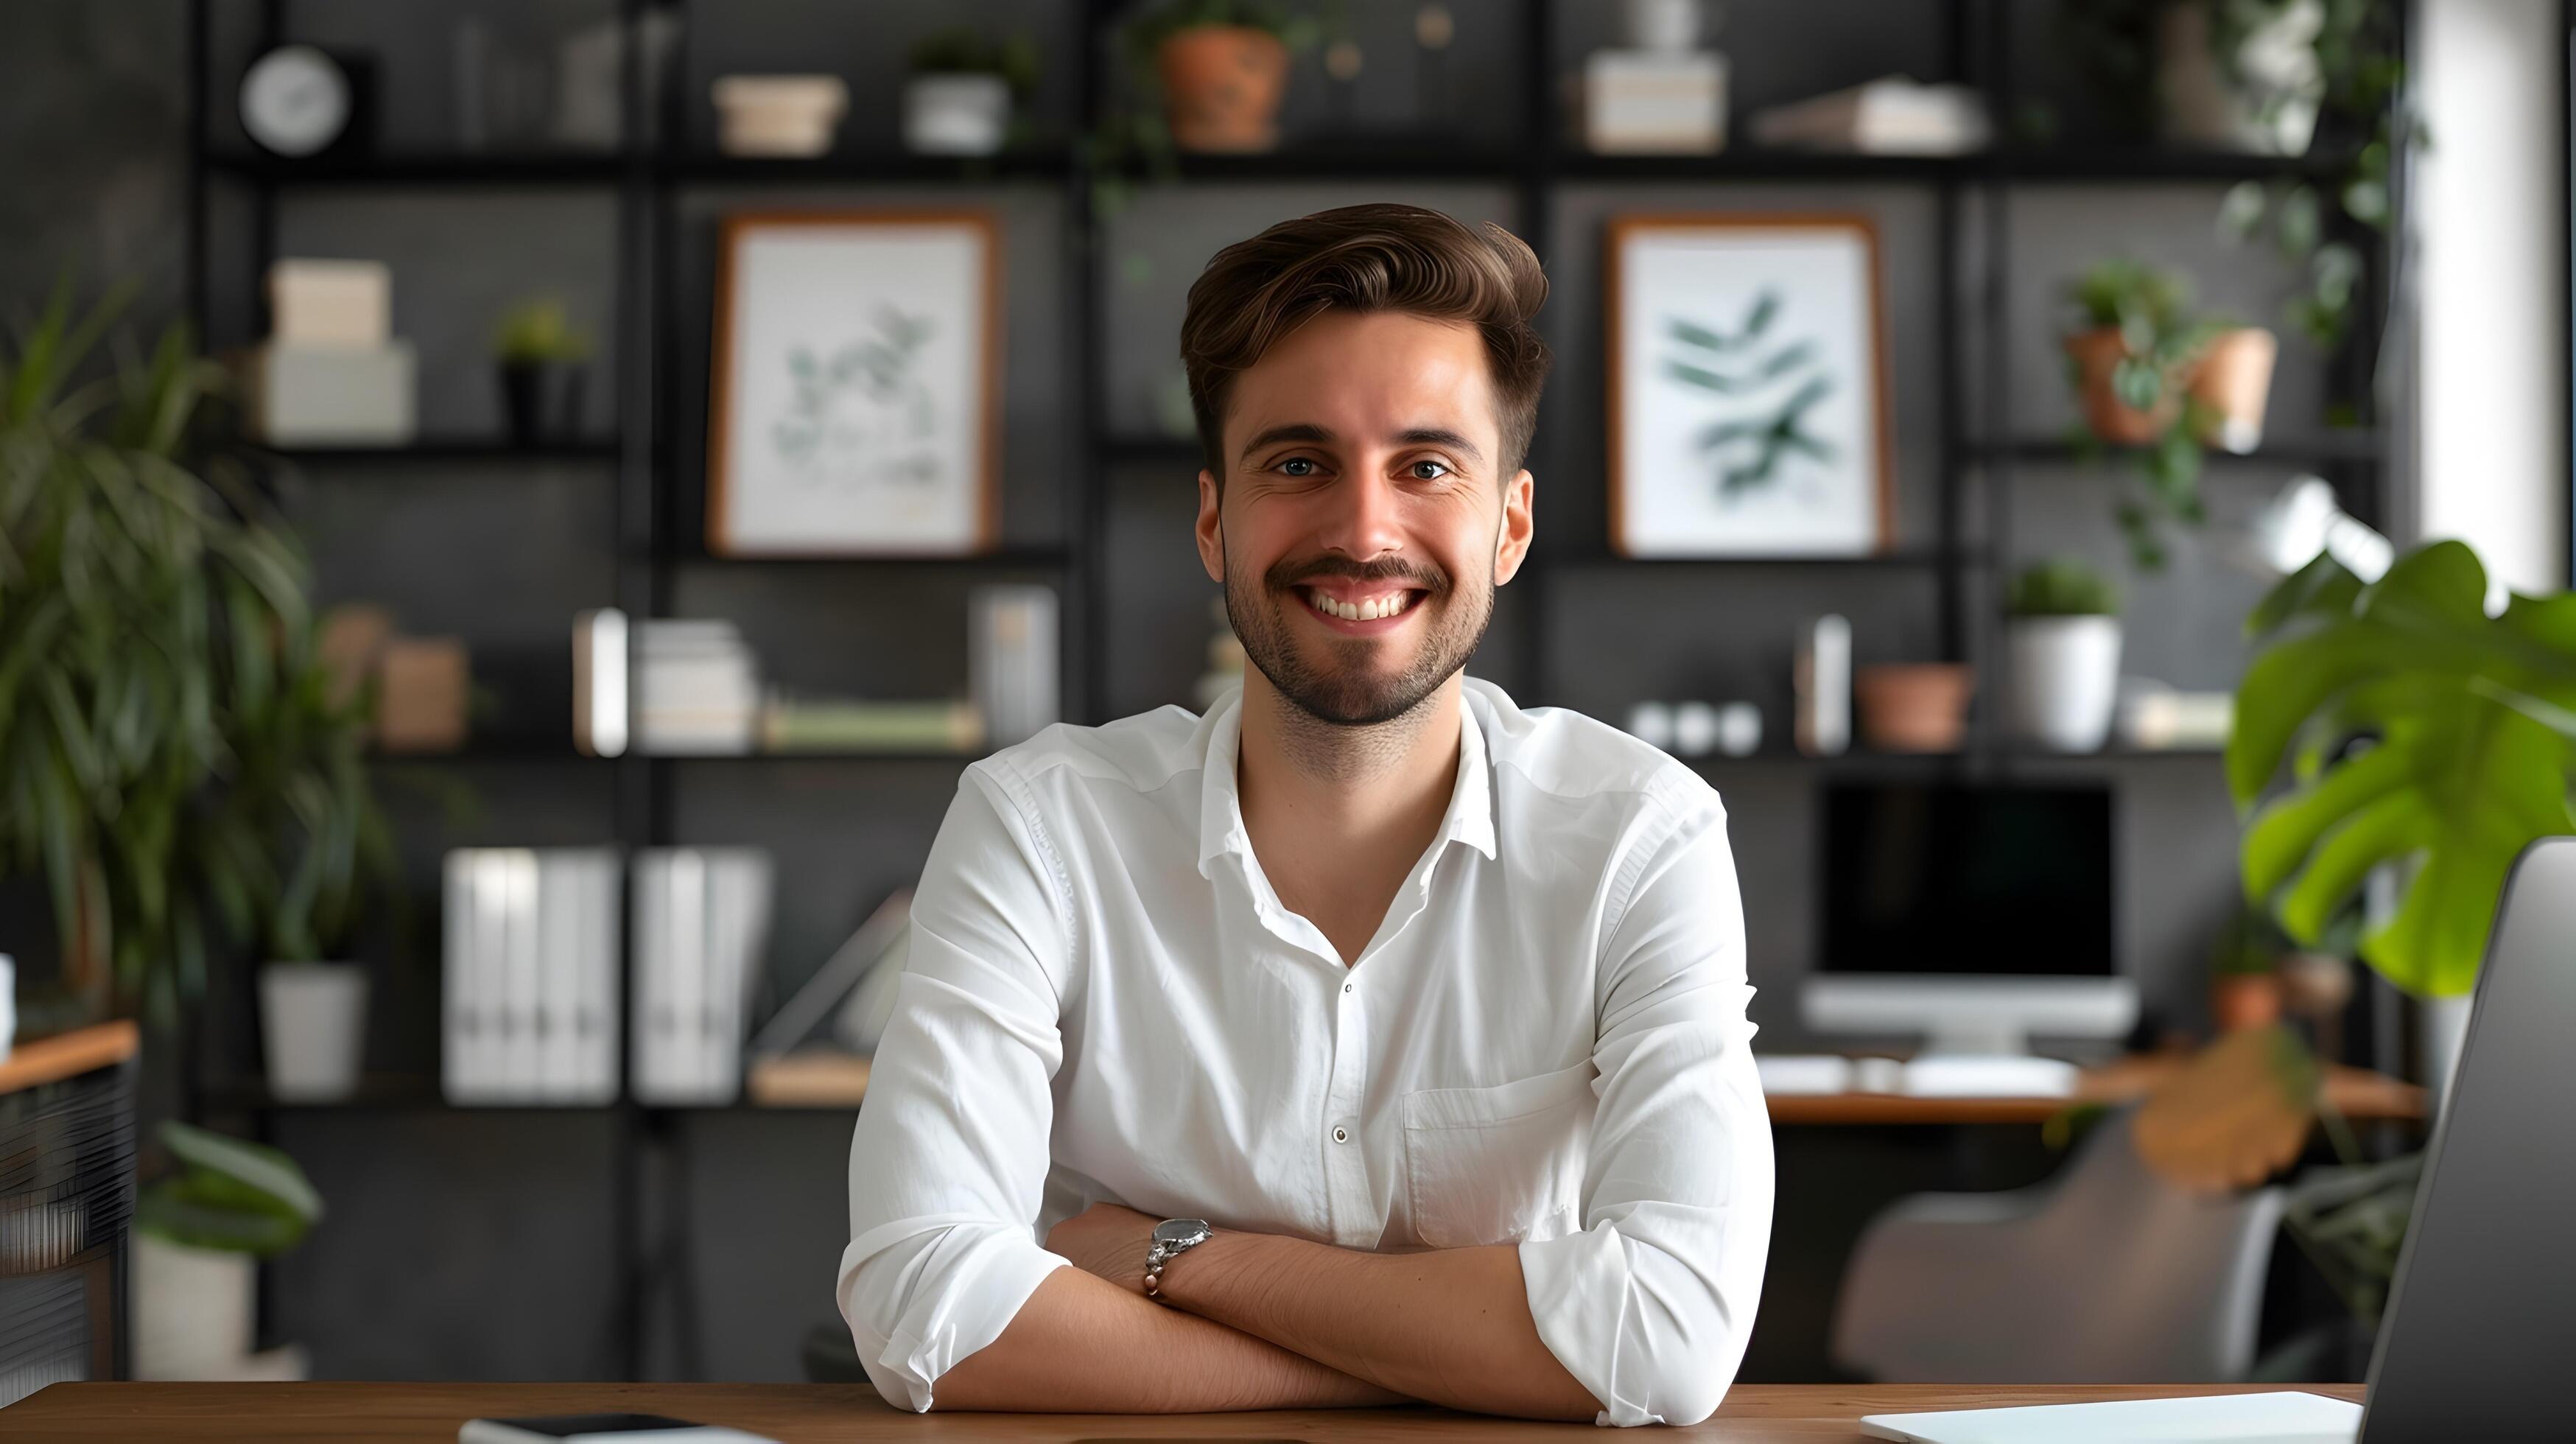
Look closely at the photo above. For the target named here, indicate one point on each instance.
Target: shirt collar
(1470, 818)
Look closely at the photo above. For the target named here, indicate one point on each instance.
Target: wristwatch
(1172, 1238)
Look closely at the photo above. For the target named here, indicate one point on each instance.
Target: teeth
(1368, 609)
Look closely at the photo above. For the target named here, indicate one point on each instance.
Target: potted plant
(540, 354)
(2244, 978)
(2243, 74)
(2149, 374)
(2388, 730)
(306, 750)
(2065, 640)
(963, 87)
(199, 1233)
(129, 711)
(1222, 68)
(182, 772)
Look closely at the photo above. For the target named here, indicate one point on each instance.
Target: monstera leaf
(2416, 730)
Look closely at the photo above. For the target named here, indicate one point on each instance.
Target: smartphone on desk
(601, 1429)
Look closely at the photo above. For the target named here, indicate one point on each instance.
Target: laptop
(2482, 1309)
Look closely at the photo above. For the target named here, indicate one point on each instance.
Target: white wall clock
(296, 101)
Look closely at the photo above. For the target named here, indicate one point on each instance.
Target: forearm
(1448, 1326)
(1084, 1345)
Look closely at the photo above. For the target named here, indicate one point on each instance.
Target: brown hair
(1367, 258)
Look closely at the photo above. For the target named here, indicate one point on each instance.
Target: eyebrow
(1307, 431)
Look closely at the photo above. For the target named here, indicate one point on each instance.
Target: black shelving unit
(654, 545)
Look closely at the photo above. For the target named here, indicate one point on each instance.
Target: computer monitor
(1973, 914)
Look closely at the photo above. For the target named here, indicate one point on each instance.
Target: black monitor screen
(1946, 878)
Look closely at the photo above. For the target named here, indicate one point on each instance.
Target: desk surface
(67, 1055)
(2356, 1093)
(1806, 1413)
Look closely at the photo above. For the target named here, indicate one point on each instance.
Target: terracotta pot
(1221, 87)
(2097, 353)
(1914, 707)
(2238, 1001)
(2231, 382)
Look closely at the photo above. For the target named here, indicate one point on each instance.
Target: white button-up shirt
(1545, 1044)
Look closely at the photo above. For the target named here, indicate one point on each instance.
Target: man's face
(1363, 528)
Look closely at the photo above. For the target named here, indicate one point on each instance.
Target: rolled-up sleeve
(1650, 1304)
(949, 1160)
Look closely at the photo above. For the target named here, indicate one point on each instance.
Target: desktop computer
(1973, 915)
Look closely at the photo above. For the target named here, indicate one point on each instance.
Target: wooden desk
(1808, 1414)
(2357, 1093)
(68, 1055)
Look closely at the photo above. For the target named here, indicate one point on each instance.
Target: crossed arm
(1256, 1321)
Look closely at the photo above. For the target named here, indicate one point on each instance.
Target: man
(1368, 1039)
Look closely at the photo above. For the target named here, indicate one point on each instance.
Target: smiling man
(1368, 1039)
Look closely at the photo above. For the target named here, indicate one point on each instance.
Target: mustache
(1288, 575)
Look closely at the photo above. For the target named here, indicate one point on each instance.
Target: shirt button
(1341, 1135)
(1346, 987)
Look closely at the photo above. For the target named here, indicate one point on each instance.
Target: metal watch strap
(1161, 1255)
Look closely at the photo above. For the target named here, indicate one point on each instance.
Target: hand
(1109, 1241)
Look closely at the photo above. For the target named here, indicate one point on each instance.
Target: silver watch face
(1181, 1231)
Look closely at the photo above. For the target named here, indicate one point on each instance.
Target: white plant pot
(192, 1309)
(2065, 680)
(313, 1019)
(956, 114)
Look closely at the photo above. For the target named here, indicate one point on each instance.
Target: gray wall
(468, 1245)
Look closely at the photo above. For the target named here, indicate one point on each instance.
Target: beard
(1338, 679)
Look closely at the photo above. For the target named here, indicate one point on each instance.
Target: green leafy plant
(2160, 340)
(226, 1194)
(2061, 587)
(171, 758)
(2415, 731)
(1133, 137)
(964, 50)
(537, 331)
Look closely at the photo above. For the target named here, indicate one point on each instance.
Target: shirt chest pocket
(1500, 1164)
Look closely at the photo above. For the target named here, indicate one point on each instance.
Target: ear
(1512, 542)
(1211, 530)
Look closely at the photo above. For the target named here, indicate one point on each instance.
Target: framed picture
(856, 396)
(1747, 367)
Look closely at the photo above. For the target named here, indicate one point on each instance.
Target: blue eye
(1436, 470)
(1292, 464)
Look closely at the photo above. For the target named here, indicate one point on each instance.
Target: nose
(1362, 516)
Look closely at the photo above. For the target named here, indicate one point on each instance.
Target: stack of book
(701, 918)
(531, 973)
(850, 724)
(697, 687)
(1892, 115)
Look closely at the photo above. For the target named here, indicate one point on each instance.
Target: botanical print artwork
(853, 401)
(864, 415)
(1747, 411)
(1766, 395)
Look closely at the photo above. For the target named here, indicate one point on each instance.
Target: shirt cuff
(976, 1302)
(1578, 1290)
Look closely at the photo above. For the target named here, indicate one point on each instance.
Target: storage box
(1657, 102)
(295, 395)
(330, 303)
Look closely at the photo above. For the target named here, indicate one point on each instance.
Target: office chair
(2105, 1274)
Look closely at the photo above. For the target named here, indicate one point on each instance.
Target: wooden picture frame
(1712, 455)
(854, 403)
